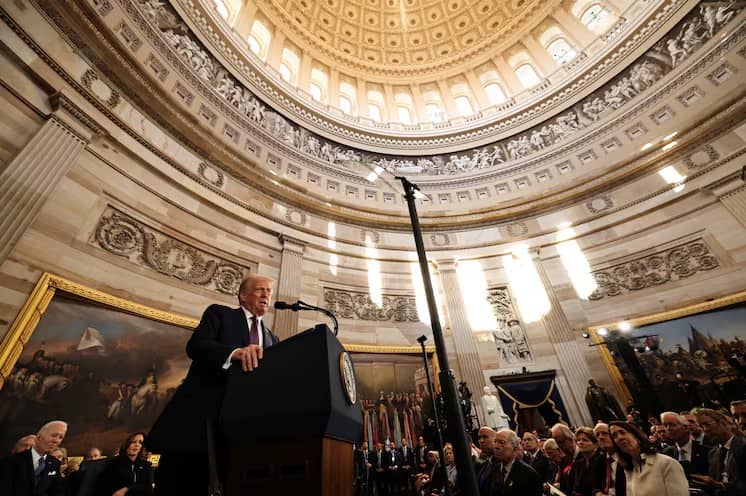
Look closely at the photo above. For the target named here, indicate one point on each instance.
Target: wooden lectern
(290, 425)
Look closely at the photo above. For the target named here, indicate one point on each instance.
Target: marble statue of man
(493, 412)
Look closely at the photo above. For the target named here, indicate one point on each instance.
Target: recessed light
(669, 136)
(669, 146)
(624, 326)
(603, 331)
(646, 146)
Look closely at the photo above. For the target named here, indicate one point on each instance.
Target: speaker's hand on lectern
(249, 356)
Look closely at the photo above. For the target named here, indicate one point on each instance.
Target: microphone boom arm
(302, 305)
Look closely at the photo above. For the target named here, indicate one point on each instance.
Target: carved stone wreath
(358, 306)
(121, 235)
(654, 270)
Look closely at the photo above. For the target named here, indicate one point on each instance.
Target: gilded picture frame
(641, 323)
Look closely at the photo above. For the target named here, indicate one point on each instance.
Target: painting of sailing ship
(105, 372)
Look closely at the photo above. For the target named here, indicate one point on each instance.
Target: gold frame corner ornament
(29, 316)
(677, 313)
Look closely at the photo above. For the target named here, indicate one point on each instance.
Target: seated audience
(588, 472)
(648, 473)
(127, 473)
(93, 453)
(35, 472)
(727, 459)
(681, 447)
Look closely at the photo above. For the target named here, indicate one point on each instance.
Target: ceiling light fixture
(646, 146)
(669, 146)
(624, 326)
(669, 136)
(603, 332)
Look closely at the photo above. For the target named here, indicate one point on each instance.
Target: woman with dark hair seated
(648, 473)
(588, 472)
(128, 472)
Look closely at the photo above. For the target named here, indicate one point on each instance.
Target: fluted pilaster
(466, 349)
(289, 284)
(29, 179)
(570, 358)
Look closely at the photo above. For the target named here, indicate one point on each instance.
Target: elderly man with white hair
(35, 472)
(514, 477)
(692, 456)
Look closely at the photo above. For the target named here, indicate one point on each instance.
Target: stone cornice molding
(74, 118)
(292, 244)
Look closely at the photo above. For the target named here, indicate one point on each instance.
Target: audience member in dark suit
(698, 436)
(128, 472)
(407, 462)
(588, 472)
(514, 478)
(534, 457)
(392, 463)
(378, 471)
(363, 466)
(35, 472)
(565, 439)
(554, 454)
(692, 456)
(614, 472)
(420, 456)
(225, 337)
(727, 460)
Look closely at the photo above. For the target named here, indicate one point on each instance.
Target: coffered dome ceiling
(405, 36)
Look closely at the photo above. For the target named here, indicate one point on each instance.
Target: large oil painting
(106, 368)
(692, 357)
(394, 393)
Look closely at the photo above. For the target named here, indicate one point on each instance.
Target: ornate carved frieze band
(649, 271)
(357, 305)
(128, 238)
(510, 337)
(690, 34)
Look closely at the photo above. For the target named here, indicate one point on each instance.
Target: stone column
(735, 202)
(466, 348)
(477, 90)
(447, 99)
(569, 357)
(289, 285)
(29, 179)
(512, 85)
(362, 99)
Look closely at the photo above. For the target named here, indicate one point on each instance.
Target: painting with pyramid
(105, 372)
(697, 360)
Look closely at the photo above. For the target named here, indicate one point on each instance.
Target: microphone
(283, 305)
(301, 305)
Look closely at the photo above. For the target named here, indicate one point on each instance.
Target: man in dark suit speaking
(225, 337)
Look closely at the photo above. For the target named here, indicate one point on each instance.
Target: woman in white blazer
(648, 473)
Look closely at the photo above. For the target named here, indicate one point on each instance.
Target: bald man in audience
(615, 478)
(34, 472)
(692, 456)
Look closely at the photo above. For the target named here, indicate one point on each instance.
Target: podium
(290, 424)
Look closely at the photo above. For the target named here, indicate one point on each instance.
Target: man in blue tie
(35, 472)
(225, 337)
